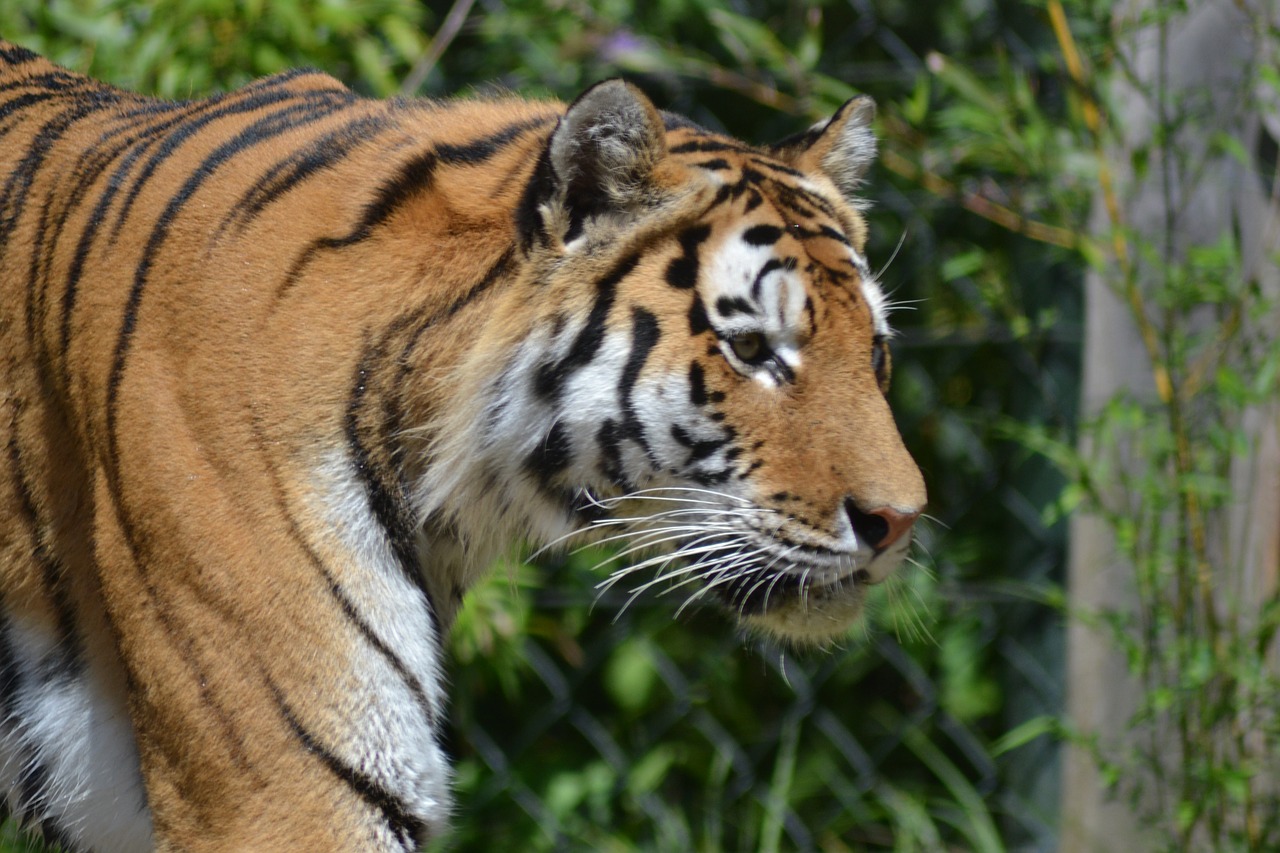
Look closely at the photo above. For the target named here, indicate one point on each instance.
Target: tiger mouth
(783, 575)
(759, 593)
(749, 559)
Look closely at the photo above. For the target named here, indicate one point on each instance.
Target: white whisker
(695, 547)
(892, 256)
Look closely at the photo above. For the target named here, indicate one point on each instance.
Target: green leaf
(649, 771)
(753, 36)
(964, 264)
(1023, 733)
(630, 675)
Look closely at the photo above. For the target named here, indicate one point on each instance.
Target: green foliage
(1159, 469)
(677, 737)
(188, 48)
(13, 840)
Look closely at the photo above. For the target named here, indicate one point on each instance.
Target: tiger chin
(284, 369)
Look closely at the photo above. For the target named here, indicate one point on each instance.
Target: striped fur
(285, 369)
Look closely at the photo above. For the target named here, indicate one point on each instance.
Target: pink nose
(898, 522)
(880, 527)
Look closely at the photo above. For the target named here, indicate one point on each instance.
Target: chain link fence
(635, 732)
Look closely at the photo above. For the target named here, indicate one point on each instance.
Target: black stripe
(796, 198)
(407, 828)
(21, 102)
(778, 167)
(727, 306)
(770, 265)
(17, 189)
(730, 192)
(339, 594)
(310, 105)
(609, 439)
(645, 332)
(480, 150)
(420, 322)
(13, 54)
(697, 384)
(828, 231)
(300, 165)
(880, 360)
(413, 177)
(698, 320)
(551, 455)
(715, 165)
(752, 177)
(539, 189)
(492, 275)
(255, 134)
(801, 141)
(550, 378)
(89, 166)
(66, 662)
(41, 255)
(376, 448)
(18, 186)
(762, 235)
(281, 79)
(138, 144)
(682, 272)
(53, 82)
(382, 486)
(708, 146)
(710, 478)
(699, 449)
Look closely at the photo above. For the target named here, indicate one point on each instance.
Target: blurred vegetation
(577, 727)
(1170, 463)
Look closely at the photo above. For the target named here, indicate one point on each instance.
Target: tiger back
(285, 369)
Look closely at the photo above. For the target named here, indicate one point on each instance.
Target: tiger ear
(603, 154)
(843, 147)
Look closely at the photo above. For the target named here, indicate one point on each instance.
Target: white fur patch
(778, 301)
(871, 291)
(79, 731)
(389, 737)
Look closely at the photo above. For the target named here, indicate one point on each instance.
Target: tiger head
(708, 362)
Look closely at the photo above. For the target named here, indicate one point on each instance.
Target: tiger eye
(749, 347)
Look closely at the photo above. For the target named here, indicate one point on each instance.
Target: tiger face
(709, 360)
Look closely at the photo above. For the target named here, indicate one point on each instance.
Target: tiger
(286, 368)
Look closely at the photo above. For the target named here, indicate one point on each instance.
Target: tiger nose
(880, 527)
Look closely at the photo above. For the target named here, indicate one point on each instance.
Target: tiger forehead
(744, 168)
(765, 225)
(748, 178)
